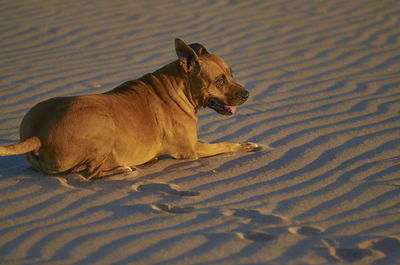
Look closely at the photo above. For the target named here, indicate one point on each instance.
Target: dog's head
(210, 78)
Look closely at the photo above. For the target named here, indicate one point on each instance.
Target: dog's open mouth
(220, 107)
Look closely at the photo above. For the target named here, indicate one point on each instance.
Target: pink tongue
(232, 109)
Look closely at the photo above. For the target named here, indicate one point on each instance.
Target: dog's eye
(220, 83)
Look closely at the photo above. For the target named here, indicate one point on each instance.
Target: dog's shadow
(144, 178)
(17, 169)
(15, 166)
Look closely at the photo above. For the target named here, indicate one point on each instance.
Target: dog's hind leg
(106, 167)
(205, 150)
(98, 173)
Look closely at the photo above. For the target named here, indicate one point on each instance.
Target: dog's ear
(198, 48)
(187, 56)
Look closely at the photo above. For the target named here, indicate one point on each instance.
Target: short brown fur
(134, 123)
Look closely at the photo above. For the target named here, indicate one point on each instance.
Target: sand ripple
(325, 95)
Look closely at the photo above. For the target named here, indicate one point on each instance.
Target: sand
(324, 79)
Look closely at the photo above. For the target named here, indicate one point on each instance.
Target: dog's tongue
(232, 109)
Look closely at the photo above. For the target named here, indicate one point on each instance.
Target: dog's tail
(30, 144)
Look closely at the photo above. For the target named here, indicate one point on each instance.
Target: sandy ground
(324, 78)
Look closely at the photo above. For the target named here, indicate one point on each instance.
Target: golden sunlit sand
(324, 83)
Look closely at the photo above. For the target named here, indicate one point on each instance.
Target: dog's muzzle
(230, 108)
(238, 98)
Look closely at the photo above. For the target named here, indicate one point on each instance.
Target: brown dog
(134, 123)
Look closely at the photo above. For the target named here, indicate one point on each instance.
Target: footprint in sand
(350, 254)
(305, 230)
(255, 236)
(167, 189)
(384, 246)
(381, 247)
(168, 208)
(345, 254)
(257, 217)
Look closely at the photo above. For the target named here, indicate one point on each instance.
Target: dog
(136, 122)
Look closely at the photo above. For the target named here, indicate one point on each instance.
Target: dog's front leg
(204, 150)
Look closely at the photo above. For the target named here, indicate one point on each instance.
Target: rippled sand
(324, 78)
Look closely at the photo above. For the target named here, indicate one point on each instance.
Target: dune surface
(324, 79)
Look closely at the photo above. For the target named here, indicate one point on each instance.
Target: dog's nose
(238, 98)
(245, 95)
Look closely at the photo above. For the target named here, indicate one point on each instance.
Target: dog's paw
(249, 147)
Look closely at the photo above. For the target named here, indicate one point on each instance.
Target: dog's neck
(182, 81)
(169, 83)
(179, 83)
